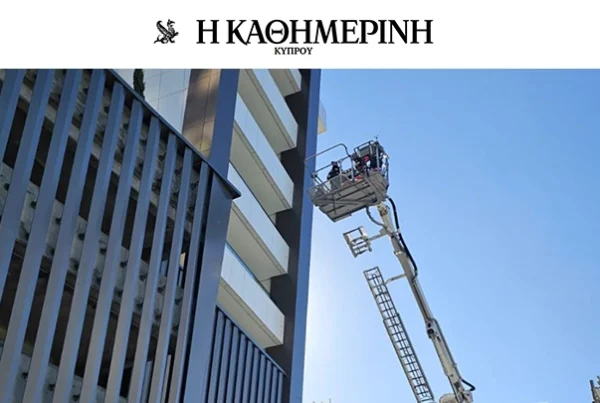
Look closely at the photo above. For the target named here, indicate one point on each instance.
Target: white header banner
(303, 34)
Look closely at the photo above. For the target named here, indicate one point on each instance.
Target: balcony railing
(98, 193)
(246, 300)
(246, 268)
(253, 235)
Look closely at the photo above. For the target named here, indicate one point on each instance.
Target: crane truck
(360, 181)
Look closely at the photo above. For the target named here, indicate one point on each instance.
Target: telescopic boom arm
(434, 331)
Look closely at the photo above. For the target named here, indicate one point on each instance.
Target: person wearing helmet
(334, 173)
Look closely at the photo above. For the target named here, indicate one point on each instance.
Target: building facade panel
(165, 90)
(105, 204)
(240, 371)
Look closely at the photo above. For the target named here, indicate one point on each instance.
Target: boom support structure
(364, 184)
(434, 331)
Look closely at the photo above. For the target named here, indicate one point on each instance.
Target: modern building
(260, 125)
(118, 285)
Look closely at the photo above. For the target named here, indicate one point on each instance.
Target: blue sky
(497, 182)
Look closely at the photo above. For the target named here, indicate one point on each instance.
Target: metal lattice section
(399, 337)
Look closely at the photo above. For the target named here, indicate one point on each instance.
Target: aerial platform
(350, 184)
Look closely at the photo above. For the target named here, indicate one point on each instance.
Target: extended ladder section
(399, 337)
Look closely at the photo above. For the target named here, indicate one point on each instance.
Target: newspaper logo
(296, 37)
(167, 34)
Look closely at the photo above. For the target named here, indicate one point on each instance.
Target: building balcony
(253, 235)
(244, 298)
(289, 81)
(266, 103)
(258, 164)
